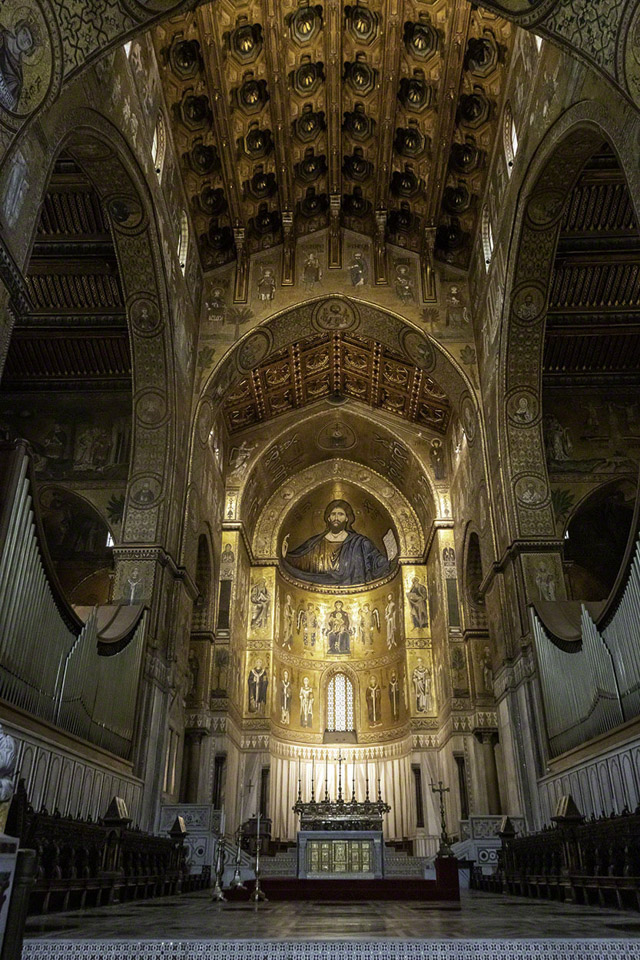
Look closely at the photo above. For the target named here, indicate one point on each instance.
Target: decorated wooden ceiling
(337, 367)
(593, 323)
(76, 333)
(378, 116)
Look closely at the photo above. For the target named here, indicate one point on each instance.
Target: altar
(340, 839)
(340, 854)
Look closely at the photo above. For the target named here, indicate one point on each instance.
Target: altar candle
(222, 821)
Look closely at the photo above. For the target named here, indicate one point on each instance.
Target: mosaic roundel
(335, 315)
(145, 316)
(151, 407)
(528, 304)
(632, 56)
(205, 421)
(544, 207)
(523, 408)
(253, 350)
(26, 58)
(145, 491)
(468, 416)
(418, 349)
(125, 212)
(531, 491)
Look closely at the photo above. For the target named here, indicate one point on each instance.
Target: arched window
(510, 137)
(158, 148)
(340, 704)
(487, 235)
(183, 241)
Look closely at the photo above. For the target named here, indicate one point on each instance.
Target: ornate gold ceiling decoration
(337, 367)
(376, 116)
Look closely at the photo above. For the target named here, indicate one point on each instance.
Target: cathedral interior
(320, 414)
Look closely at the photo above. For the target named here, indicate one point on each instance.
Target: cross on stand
(445, 841)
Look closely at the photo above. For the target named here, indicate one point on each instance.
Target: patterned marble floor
(194, 917)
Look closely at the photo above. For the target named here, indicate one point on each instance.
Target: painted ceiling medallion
(362, 23)
(310, 124)
(203, 159)
(466, 157)
(308, 77)
(184, 57)
(405, 183)
(409, 141)
(311, 167)
(414, 93)
(194, 111)
(244, 43)
(356, 167)
(474, 109)
(212, 202)
(421, 37)
(482, 55)
(360, 76)
(262, 185)
(252, 95)
(357, 124)
(257, 143)
(305, 23)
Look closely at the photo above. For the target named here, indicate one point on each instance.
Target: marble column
(488, 740)
(193, 738)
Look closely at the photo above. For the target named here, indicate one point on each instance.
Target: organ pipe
(595, 686)
(50, 662)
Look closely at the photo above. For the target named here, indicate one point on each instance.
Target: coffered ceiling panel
(377, 115)
(339, 367)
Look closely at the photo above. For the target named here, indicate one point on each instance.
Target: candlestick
(236, 883)
(367, 780)
(257, 894)
(217, 895)
(326, 777)
(313, 774)
(353, 782)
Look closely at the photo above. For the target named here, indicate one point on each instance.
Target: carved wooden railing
(589, 862)
(83, 863)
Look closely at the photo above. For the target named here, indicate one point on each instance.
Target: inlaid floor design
(480, 915)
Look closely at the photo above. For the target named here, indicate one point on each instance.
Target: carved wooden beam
(333, 59)
(390, 71)
(213, 46)
(459, 22)
(279, 93)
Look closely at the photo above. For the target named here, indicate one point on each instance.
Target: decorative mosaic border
(336, 950)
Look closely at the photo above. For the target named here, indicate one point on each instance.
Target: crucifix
(445, 843)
